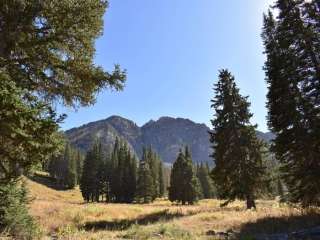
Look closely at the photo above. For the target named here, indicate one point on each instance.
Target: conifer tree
(184, 185)
(197, 170)
(114, 182)
(108, 177)
(129, 180)
(55, 168)
(205, 181)
(64, 167)
(70, 180)
(161, 180)
(86, 177)
(176, 179)
(89, 184)
(102, 181)
(122, 164)
(120, 173)
(153, 163)
(292, 47)
(46, 55)
(79, 163)
(145, 187)
(191, 184)
(132, 178)
(238, 170)
(59, 67)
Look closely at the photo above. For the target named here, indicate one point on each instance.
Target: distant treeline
(121, 177)
(66, 168)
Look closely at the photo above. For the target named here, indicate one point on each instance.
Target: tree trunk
(250, 202)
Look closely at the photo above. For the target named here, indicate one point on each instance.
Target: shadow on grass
(48, 181)
(277, 225)
(124, 224)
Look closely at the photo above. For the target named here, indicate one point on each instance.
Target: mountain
(166, 135)
(267, 137)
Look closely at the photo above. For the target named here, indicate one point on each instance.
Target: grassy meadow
(62, 214)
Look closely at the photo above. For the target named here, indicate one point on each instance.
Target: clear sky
(172, 50)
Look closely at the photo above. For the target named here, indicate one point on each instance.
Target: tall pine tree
(70, 180)
(191, 185)
(161, 180)
(153, 161)
(292, 47)
(89, 184)
(145, 184)
(238, 170)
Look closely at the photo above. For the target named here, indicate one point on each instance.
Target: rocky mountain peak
(166, 135)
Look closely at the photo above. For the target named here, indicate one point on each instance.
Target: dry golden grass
(63, 214)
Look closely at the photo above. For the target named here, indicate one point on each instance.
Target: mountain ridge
(166, 135)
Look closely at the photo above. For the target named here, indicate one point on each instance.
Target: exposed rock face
(166, 135)
(107, 131)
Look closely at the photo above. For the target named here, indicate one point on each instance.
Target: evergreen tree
(71, 169)
(46, 54)
(59, 67)
(64, 167)
(60, 64)
(86, 178)
(102, 181)
(197, 170)
(166, 178)
(114, 182)
(120, 173)
(55, 168)
(97, 162)
(176, 179)
(292, 47)
(14, 218)
(161, 180)
(108, 177)
(153, 161)
(132, 186)
(129, 180)
(184, 185)
(89, 184)
(79, 163)
(191, 184)
(145, 187)
(28, 130)
(205, 181)
(238, 170)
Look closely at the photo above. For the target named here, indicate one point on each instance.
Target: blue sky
(172, 50)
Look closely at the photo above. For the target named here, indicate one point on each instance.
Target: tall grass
(64, 215)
